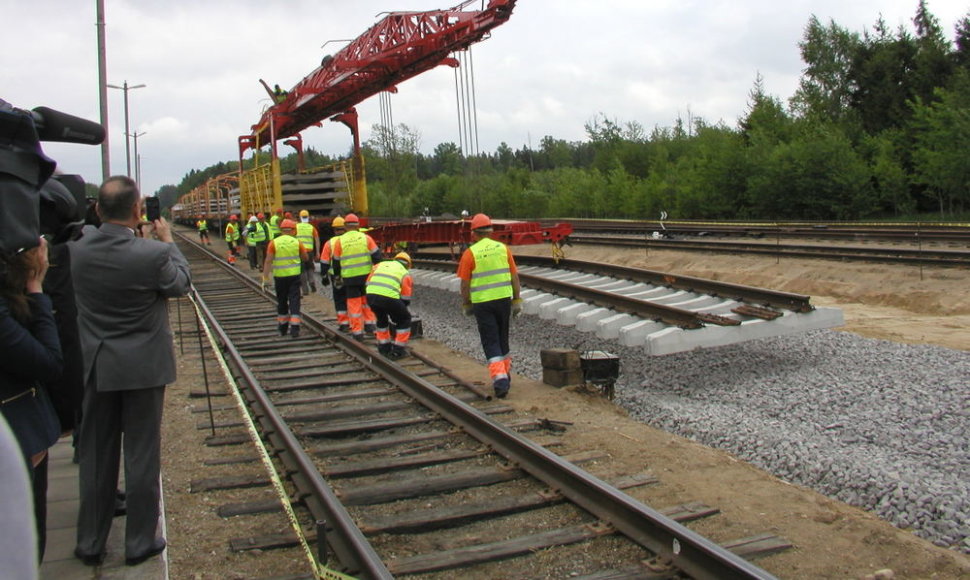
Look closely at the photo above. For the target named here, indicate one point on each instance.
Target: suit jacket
(31, 358)
(122, 284)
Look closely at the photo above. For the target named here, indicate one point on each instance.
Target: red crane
(402, 45)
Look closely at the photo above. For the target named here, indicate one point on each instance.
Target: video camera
(31, 203)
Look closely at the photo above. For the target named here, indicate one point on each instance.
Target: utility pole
(126, 88)
(103, 94)
(135, 137)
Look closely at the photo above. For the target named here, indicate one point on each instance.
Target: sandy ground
(831, 539)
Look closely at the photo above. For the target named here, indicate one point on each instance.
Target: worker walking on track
(284, 258)
(389, 289)
(490, 291)
(274, 223)
(308, 236)
(249, 233)
(261, 235)
(356, 253)
(232, 239)
(330, 272)
(203, 227)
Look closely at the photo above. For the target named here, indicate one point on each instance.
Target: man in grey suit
(123, 280)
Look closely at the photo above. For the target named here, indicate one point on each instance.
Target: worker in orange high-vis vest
(284, 262)
(490, 291)
(389, 289)
(356, 253)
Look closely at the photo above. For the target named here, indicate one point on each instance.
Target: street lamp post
(135, 137)
(126, 88)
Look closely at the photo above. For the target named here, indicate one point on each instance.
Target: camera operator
(32, 394)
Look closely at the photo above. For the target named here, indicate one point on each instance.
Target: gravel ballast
(880, 425)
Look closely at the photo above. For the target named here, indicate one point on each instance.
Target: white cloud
(553, 67)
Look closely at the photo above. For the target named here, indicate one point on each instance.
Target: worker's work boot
(501, 387)
(283, 328)
(384, 349)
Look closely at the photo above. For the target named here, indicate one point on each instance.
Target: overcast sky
(553, 67)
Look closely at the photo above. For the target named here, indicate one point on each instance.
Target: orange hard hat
(481, 221)
(404, 257)
(351, 219)
(338, 222)
(287, 225)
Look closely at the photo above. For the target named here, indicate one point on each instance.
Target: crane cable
(387, 121)
(467, 104)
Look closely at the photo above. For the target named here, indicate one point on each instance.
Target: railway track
(886, 253)
(909, 233)
(401, 469)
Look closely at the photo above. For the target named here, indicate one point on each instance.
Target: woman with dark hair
(31, 358)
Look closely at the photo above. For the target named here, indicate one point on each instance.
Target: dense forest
(879, 128)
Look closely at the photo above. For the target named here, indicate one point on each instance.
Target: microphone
(57, 126)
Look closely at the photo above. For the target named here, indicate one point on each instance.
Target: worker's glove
(467, 309)
(262, 283)
(516, 307)
(338, 282)
(325, 279)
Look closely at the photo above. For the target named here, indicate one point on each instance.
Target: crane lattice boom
(402, 45)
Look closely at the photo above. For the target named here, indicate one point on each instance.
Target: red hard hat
(351, 219)
(260, 215)
(233, 218)
(279, 210)
(480, 221)
(288, 214)
(287, 224)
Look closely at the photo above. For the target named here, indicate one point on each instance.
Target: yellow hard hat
(403, 256)
(338, 222)
(304, 213)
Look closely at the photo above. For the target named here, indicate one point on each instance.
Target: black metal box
(599, 366)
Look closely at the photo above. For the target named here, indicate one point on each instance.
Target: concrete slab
(655, 337)
(586, 322)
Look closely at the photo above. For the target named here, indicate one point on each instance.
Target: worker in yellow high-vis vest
(490, 291)
(356, 253)
(389, 289)
(284, 262)
(308, 236)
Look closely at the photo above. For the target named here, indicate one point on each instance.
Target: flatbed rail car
(457, 234)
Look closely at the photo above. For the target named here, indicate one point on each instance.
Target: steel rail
(646, 309)
(673, 543)
(351, 547)
(670, 541)
(740, 292)
(885, 254)
(936, 232)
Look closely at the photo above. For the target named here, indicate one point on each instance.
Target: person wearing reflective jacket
(490, 291)
(356, 253)
(389, 289)
(330, 272)
(308, 236)
(284, 262)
